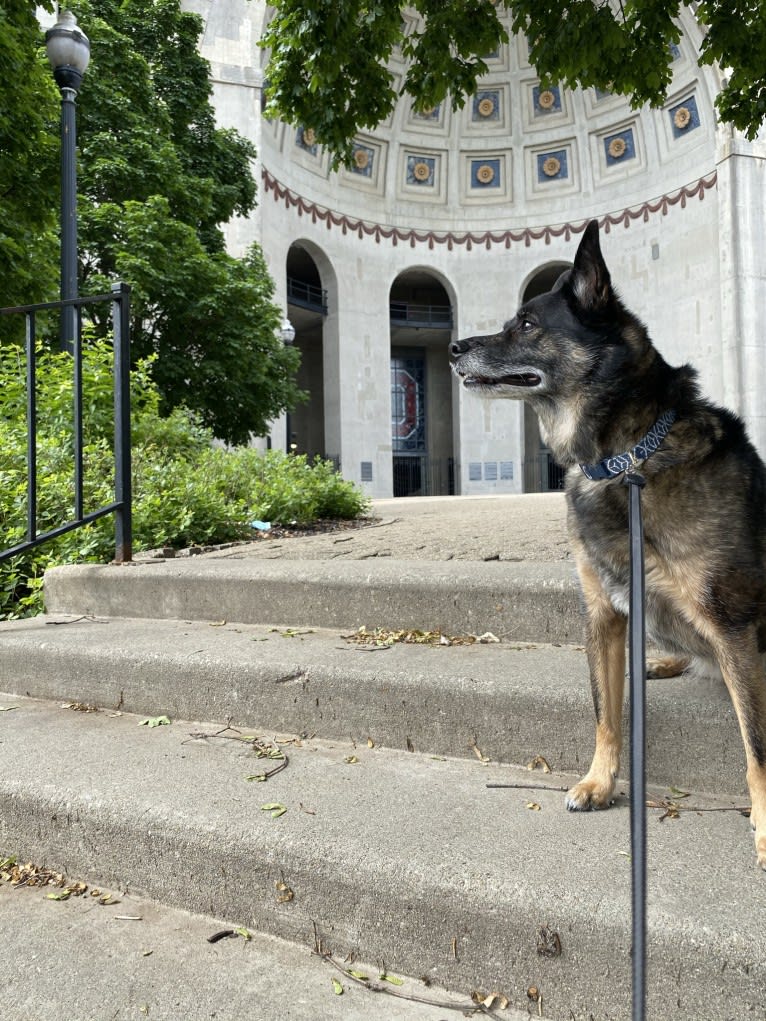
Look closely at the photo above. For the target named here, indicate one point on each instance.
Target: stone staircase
(413, 833)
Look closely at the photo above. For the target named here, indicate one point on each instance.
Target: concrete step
(512, 701)
(79, 961)
(524, 601)
(394, 857)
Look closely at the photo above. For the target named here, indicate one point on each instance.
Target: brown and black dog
(607, 401)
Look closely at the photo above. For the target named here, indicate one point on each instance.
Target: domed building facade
(447, 220)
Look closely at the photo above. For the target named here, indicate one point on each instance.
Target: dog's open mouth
(525, 379)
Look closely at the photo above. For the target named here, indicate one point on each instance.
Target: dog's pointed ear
(590, 278)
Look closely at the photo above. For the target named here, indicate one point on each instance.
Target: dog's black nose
(458, 347)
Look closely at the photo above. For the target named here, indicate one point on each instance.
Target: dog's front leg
(743, 671)
(605, 645)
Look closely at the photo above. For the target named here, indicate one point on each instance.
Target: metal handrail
(405, 313)
(121, 506)
(307, 295)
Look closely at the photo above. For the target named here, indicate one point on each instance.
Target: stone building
(447, 220)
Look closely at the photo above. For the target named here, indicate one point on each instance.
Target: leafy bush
(185, 489)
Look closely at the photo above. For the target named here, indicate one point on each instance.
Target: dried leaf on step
(155, 721)
(60, 895)
(216, 623)
(479, 753)
(360, 975)
(548, 942)
(275, 808)
(244, 933)
(337, 987)
(394, 980)
(492, 1001)
(351, 760)
(538, 762)
(677, 793)
(533, 806)
(284, 893)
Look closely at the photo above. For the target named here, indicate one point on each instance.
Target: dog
(607, 401)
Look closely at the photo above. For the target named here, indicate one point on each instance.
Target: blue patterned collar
(611, 467)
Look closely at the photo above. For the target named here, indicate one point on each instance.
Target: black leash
(609, 468)
(637, 675)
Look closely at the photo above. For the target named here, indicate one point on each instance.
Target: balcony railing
(306, 296)
(434, 317)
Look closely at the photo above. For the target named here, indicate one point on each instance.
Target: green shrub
(185, 489)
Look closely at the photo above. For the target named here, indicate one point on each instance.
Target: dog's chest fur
(676, 566)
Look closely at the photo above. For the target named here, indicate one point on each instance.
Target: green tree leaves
(157, 180)
(28, 161)
(327, 63)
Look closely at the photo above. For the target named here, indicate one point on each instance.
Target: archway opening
(306, 309)
(541, 473)
(421, 320)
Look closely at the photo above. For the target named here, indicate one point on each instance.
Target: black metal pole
(637, 674)
(68, 207)
(122, 460)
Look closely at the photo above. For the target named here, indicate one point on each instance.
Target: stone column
(742, 233)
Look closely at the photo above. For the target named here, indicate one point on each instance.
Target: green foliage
(185, 489)
(28, 162)
(736, 38)
(327, 66)
(157, 180)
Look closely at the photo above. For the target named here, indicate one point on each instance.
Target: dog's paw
(589, 795)
(760, 851)
(666, 666)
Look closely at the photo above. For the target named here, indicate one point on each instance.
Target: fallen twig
(261, 748)
(375, 987)
(667, 804)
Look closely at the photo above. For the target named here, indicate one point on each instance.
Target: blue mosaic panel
(486, 105)
(675, 52)
(428, 115)
(485, 174)
(421, 171)
(546, 101)
(684, 117)
(506, 470)
(474, 471)
(490, 471)
(619, 147)
(363, 160)
(552, 166)
(304, 139)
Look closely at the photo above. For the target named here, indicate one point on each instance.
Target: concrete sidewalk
(484, 528)
(137, 959)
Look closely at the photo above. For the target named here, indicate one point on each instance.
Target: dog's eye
(526, 324)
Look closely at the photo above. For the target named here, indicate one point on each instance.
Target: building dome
(516, 156)
(446, 220)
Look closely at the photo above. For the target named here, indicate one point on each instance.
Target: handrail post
(123, 490)
(31, 357)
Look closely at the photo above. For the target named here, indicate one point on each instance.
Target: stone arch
(422, 316)
(541, 473)
(542, 279)
(311, 289)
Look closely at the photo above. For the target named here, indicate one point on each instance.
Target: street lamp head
(287, 331)
(68, 51)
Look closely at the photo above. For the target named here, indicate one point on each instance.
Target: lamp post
(287, 333)
(68, 52)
